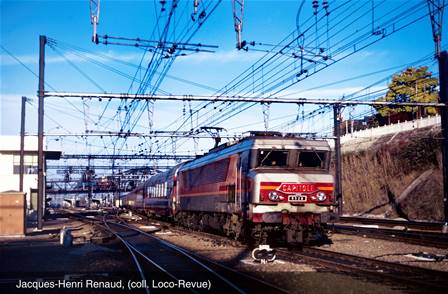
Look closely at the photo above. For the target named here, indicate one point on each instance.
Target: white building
(10, 166)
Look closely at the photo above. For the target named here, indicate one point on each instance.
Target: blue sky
(264, 21)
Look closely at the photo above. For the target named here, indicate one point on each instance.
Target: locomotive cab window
(312, 159)
(272, 157)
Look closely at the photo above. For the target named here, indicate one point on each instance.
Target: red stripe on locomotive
(286, 189)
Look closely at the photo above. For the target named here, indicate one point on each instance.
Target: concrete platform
(39, 257)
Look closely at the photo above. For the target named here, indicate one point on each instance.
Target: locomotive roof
(259, 141)
(256, 140)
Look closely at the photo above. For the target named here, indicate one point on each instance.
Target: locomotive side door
(243, 169)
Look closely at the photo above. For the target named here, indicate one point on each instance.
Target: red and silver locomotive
(264, 186)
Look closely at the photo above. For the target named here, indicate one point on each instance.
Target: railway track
(407, 277)
(413, 278)
(162, 264)
(404, 277)
(412, 232)
(132, 252)
(408, 225)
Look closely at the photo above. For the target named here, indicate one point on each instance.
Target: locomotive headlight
(321, 196)
(273, 196)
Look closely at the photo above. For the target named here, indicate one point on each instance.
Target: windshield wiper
(317, 154)
(264, 158)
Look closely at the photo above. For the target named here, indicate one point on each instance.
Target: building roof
(11, 145)
(49, 154)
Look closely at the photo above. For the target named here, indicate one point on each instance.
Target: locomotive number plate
(297, 198)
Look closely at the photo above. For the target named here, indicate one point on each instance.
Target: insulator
(315, 6)
(325, 4)
(195, 6)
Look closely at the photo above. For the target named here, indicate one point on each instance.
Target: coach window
(312, 159)
(272, 157)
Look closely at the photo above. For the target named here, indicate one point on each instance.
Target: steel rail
(133, 249)
(423, 233)
(106, 227)
(432, 280)
(421, 225)
(183, 252)
(130, 248)
(423, 238)
(353, 263)
(212, 262)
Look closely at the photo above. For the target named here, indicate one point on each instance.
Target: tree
(410, 85)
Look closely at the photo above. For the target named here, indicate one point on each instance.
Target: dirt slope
(403, 168)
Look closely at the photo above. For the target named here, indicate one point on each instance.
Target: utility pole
(443, 96)
(40, 131)
(436, 9)
(94, 18)
(337, 156)
(238, 11)
(89, 184)
(22, 143)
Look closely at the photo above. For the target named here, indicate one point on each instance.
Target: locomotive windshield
(312, 159)
(272, 157)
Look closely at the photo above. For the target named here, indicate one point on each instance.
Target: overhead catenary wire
(222, 117)
(185, 38)
(236, 109)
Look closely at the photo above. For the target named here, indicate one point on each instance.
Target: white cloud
(332, 93)
(371, 53)
(201, 57)
(30, 59)
(222, 57)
